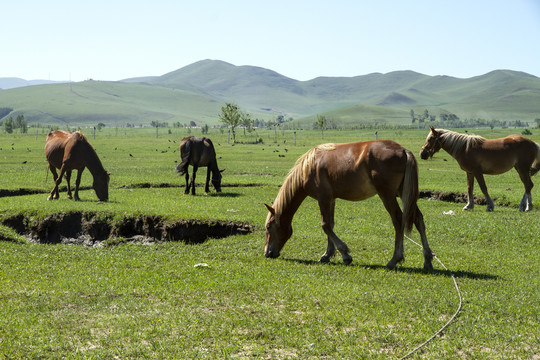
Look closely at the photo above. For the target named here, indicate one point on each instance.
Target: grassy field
(223, 299)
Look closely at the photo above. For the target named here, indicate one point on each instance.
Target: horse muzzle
(272, 254)
(424, 155)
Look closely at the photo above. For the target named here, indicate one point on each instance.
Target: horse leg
(186, 191)
(207, 185)
(192, 183)
(54, 194)
(68, 181)
(77, 184)
(483, 187)
(330, 248)
(392, 206)
(327, 223)
(470, 195)
(526, 202)
(421, 227)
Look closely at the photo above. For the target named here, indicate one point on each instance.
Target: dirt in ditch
(91, 229)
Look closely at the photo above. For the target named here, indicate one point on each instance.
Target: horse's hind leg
(68, 181)
(192, 183)
(392, 206)
(54, 193)
(186, 191)
(327, 222)
(421, 227)
(526, 202)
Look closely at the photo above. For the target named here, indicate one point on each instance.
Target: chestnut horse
(199, 152)
(354, 172)
(69, 151)
(478, 156)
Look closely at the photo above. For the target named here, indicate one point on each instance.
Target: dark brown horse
(199, 152)
(478, 156)
(69, 151)
(355, 172)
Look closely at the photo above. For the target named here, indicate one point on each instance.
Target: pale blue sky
(117, 39)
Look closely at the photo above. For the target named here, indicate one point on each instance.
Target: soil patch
(91, 229)
(450, 197)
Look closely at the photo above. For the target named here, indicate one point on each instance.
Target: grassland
(139, 301)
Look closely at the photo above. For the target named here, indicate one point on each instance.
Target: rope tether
(449, 321)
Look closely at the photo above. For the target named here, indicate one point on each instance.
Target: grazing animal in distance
(199, 152)
(354, 172)
(68, 151)
(478, 156)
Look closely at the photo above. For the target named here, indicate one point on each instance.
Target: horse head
(216, 179)
(432, 144)
(276, 235)
(101, 186)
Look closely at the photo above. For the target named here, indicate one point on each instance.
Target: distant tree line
(18, 123)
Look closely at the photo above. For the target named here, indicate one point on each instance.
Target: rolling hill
(196, 93)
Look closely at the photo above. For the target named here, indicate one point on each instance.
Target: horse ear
(271, 209)
(432, 129)
(222, 170)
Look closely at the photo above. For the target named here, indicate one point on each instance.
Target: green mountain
(196, 93)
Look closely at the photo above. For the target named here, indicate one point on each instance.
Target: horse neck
(93, 163)
(288, 208)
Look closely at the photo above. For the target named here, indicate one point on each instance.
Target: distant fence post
(295, 138)
(94, 133)
(229, 137)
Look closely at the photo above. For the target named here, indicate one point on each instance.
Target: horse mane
(457, 142)
(297, 175)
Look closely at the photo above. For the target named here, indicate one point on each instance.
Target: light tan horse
(355, 172)
(478, 156)
(69, 151)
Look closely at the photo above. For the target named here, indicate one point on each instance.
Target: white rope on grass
(449, 321)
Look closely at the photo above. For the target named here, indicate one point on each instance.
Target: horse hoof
(347, 261)
(428, 266)
(324, 259)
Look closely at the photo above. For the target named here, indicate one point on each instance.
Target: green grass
(140, 301)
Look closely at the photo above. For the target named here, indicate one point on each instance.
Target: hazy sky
(117, 39)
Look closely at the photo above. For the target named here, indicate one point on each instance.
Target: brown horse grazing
(199, 152)
(478, 156)
(355, 172)
(69, 151)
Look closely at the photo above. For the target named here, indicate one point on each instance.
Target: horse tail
(185, 156)
(535, 167)
(409, 192)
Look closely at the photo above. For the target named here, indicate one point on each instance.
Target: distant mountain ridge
(14, 82)
(197, 91)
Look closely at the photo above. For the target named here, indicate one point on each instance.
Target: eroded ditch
(93, 229)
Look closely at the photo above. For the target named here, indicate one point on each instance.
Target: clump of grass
(8, 234)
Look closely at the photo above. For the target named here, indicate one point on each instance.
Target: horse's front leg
(327, 222)
(192, 183)
(483, 187)
(470, 195)
(77, 184)
(207, 185)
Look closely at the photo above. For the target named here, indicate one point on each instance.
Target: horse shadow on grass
(406, 269)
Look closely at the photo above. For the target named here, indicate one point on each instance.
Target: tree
(247, 122)
(231, 115)
(413, 118)
(321, 123)
(8, 125)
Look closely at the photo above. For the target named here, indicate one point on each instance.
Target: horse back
(357, 171)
